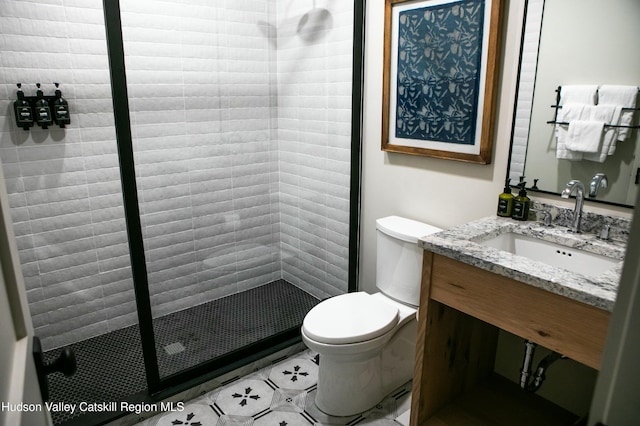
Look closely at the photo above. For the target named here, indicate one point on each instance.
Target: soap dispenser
(521, 204)
(505, 200)
(60, 109)
(42, 110)
(23, 111)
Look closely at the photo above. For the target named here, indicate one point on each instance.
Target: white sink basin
(553, 254)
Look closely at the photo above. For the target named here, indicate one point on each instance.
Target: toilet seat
(350, 318)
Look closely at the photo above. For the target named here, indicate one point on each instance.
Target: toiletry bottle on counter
(521, 204)
(505, 200)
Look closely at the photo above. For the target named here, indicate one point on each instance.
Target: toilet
(367, 341)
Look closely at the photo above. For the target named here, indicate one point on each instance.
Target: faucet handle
(604, 232)
(546, 216)
(599, 180)
(570, 186)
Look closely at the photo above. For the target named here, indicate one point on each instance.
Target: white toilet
(367, 342)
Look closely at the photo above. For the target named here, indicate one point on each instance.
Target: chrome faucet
(599, 180)
(577, 211)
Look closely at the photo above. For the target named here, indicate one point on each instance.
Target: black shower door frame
(160, 387)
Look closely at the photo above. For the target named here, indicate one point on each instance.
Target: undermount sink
(553, 254)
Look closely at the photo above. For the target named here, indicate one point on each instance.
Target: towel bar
(557, 106)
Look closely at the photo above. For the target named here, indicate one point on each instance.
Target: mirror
(575, 42)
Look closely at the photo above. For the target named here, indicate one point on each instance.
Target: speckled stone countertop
(463, 243)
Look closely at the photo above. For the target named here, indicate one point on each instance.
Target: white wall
(18, 379)
(440, 192)
(615, 400)
(314, 63)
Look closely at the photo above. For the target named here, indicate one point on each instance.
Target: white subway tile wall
(241, 119)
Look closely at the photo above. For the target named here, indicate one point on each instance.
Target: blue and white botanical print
(439, 57)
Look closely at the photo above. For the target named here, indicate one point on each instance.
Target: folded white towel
(578, 94)
(623, 96)
(606, 114)
(571, 96)
(568, 113)
(584, 136)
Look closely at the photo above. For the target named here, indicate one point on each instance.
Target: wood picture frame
(440, 77)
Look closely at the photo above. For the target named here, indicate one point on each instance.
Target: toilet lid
(349, 318)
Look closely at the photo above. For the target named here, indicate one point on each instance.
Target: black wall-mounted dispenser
(60, 109)
(42, 109)
(23, 111)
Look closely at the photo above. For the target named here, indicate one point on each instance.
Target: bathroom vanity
(487, 275)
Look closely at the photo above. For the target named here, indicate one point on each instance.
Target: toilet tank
(399, 258)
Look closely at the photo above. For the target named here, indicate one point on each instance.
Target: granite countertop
(463, 243)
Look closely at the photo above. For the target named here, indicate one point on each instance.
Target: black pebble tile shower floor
(233, 322)
(111, 367)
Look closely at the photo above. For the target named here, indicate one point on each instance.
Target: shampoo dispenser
(60, 109)
(521, 204)
(505, 200)
(42, 110)
(23, 111)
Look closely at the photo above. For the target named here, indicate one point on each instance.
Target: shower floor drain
(174, 348)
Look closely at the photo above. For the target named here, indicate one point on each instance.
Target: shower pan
(204, 196)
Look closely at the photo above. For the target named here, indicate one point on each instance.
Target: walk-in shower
(204, 196)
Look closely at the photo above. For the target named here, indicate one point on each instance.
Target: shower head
(314, 24)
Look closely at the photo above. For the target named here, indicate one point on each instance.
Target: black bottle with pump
(23, 111)
(60, 109)
(42, 110)
(521, 204)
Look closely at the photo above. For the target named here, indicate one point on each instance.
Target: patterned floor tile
(282, 394)
(280, 418)
(289, 400)
(235, 421)
(296, 373)
(244, 398)
(193, 415)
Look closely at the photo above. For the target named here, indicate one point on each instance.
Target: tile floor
(281, 394)
(111, 366)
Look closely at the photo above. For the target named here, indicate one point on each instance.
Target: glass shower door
(240, 118)
(200, 127)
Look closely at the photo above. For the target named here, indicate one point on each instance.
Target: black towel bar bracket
(606, 125)
(623, 109)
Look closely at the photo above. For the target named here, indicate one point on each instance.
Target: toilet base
(351, 384)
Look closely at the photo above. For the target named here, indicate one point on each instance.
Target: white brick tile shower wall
(241, 127)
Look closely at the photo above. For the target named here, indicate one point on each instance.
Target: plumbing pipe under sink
(539, 376)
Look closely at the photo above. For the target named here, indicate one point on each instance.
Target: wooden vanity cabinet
(462, 308)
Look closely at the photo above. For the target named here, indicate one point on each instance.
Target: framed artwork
(440, 74)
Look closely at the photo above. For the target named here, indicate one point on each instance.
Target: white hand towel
(568, 113)
(623, 96)
(578, 94)
(585, 136)
(572, 94)
(607, 114)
